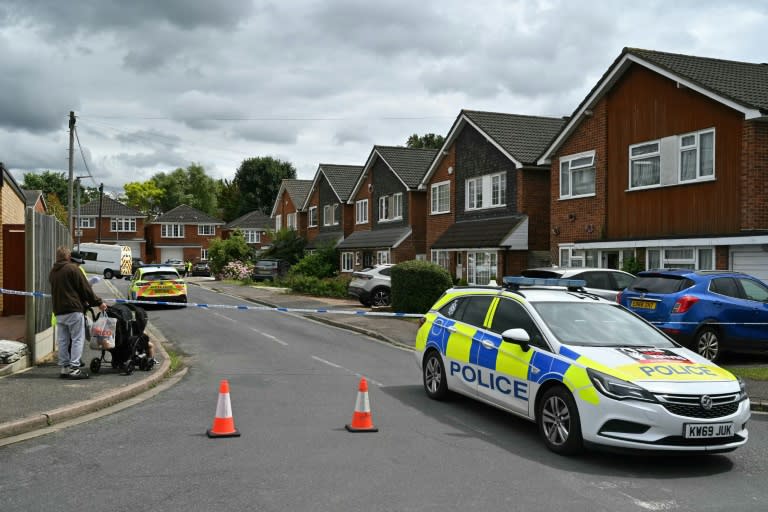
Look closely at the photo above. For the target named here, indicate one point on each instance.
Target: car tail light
(363, 276)
(618, 297)
(684, 303)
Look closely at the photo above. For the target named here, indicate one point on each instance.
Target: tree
(428, 141)
(221, 252)
(190, 186)
(286, 245)
(57, 209)
(259, 181)
(145, 196)
(57, 183)
(228, 198)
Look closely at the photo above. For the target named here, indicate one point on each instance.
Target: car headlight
(618, 389)
(742, 389)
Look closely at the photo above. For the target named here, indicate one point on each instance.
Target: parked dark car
(201, 268)
(604, 282)
(269, 269)
(710, 312)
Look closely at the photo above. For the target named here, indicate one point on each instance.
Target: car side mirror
(518, 337)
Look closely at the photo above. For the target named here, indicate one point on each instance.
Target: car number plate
(643, 304)
(707, 430)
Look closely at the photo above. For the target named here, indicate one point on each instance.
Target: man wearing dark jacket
(71, 293)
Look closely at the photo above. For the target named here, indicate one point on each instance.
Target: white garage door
(750, 260)
(172, 254)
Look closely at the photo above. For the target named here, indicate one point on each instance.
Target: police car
(158, 284)
(586, 370)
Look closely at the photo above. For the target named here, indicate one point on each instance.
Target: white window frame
(384, 208)
(291, 220)
(382, 257)
(203, 254)
(347, 261)
(571, 168)
(489, 191)
(172, 230)
(278, 222)
(667, 260)
(642, 159)
(86, 223)
(697, 149)
(391, 207)
(327, 219)
(442, 258)
(472, 266)
(122, 224)
(206, 229)
(474, 192)
(439, 193)
(312, 216)
(361, 211)
(335, 214)
(252, 236)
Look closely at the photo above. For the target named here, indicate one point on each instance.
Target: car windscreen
(598, 325)
(661, 284)
(540, 273)
(159, 276)
(266, 264)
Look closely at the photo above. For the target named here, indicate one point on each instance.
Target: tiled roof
(109, 208)
(342, 178)
(322, 239)
(481, 233)
(298, 190)
(523, 137)
(252, 220)
(184, 214)
(410, 164)
(31, 196)
(743, 82)
(375, 238)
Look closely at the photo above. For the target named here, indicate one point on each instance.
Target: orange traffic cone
(223, 423)
(361, 418)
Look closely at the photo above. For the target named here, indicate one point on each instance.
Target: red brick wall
(314, 200)
(437, 224)
(533, 199)
(405, 252)
(583, 219)
(364, 193)
(284, 207)
(417, 213)
(191, 238)
(754, 176)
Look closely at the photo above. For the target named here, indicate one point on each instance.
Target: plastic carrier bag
(103, 333)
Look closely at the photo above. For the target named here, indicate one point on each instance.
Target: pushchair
(131, 348)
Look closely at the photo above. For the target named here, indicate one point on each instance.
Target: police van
(585, 369)
(106, 259)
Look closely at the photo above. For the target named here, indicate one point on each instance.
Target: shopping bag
(103, 333)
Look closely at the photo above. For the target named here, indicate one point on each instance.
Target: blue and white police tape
(242, 307)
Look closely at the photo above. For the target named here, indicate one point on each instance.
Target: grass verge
(749, 372)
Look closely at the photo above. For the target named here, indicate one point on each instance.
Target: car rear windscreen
(661, 284)
(160, 276)
(541, 273)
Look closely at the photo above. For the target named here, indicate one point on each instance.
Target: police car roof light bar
(514, 282)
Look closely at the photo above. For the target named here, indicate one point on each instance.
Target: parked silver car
(372, 286)
(604, 282)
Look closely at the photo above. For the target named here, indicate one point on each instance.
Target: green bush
(416, 285)
(286, 245)
(322, 263)
(320, 287)
(632, 265)
(222, 252)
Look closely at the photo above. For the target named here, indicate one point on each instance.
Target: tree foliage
(144, 196)
(221, 252)
(58, 183)
(258, 180)
(190, 186)
(286, 245)
(427, 141)
(324, 262)
(228, 198)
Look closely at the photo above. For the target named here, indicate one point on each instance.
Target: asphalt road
(293, 388)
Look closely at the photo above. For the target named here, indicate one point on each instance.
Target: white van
(106, 259)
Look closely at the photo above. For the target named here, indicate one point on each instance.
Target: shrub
(221, 252)
(237, 270)
(321, 287)
(286, 245)
(632, 265)
(416, 285)
(322, 263)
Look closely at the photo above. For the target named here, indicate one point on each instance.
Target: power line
(82, 155)
(298, 118)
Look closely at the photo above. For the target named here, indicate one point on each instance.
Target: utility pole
(101, 202)
(70, 195)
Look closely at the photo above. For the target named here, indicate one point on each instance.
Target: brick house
(665, 161)
(111, 222)
(255, 227)
(12, 203)
(35, 199)
(288, 211)
(487, 208)
(387, 209)
(182, 233)
(329, 217)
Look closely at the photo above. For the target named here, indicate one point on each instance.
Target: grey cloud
(150, 138)
(279, 132)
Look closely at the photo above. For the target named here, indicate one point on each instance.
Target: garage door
(750, 260)
(172, 254)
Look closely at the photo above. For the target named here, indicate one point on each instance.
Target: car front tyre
(707, 343)
(380, 297)
(433, 372)
(558, 421)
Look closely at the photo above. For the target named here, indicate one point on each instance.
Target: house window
(481, 267)
(694, 258)
(331, 214)
(644, 165)
(347, 261)
(577, 175)
(361, 211)
(313, 216)
(278, 222)
(487, 191)
(336, 215)
(87, 223)
(290, 221)
(203, 254)
(172, 230)
(391, 207)
(440, 196)
(123, 225)
(206, 229)
(697, 156)
(382, 257)
(252, 236)
(441, 258)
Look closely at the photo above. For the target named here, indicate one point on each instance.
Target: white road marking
(334, 365)
(269, 336)
(652, 505)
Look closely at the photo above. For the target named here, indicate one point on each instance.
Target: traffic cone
(361, 418)
(223, 423)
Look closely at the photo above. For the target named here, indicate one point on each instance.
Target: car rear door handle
(488, 344)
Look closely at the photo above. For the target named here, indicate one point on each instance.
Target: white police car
(585, 369)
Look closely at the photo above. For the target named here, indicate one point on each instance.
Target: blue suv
(710, 312)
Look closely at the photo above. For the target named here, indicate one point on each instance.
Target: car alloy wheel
(558, 420)
(380, 297)
(433, 371)
(708, 343)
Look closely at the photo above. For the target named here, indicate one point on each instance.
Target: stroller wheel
(129, 367)
(95, 365)
(143, 363)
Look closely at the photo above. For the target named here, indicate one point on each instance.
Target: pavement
(35, 399)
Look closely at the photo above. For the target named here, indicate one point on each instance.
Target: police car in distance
(586, 370)
(158, 284)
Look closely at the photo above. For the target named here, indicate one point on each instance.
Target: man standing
(71, 292)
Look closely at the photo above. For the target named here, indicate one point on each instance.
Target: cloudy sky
(160, 84)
